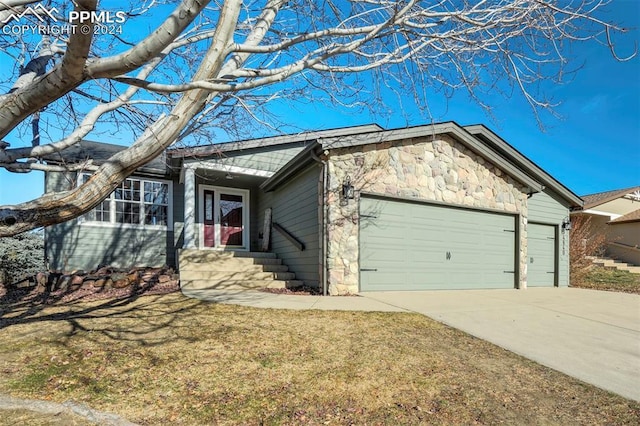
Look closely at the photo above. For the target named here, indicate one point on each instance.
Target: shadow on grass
(118, 308)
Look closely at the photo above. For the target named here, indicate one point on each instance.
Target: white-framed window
(136, 202)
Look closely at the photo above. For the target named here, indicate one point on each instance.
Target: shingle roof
(99, 152)
(596, 199)
(634, 216)
(302, 138)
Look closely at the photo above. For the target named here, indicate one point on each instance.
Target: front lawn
(165, 359)
(599, 278)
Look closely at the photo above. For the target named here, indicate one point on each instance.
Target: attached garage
(541, 253)
(407, 245)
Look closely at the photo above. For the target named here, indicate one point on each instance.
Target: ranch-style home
(346, 210)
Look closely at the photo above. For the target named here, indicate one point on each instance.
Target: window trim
(83, 221)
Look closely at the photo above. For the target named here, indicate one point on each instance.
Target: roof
(593, 200)
(478, 138)
(502, 146)
(297, 138)
(100, 152)
(634, 216)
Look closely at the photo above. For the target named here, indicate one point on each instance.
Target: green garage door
(410, 246)
(541, 251)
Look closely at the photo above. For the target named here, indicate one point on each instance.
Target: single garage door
(412, 246)
(541, 251)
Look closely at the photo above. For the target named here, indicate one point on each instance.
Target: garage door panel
(409, 246)
(541, 254)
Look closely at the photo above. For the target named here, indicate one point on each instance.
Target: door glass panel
(208, 206)
(209, 225)
(231, 213)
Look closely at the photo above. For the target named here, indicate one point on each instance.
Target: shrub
(584, 243)
(21, 256)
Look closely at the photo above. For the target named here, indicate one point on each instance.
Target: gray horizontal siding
(295, 207)
(547, 208)
(75, 245)
(72, 246)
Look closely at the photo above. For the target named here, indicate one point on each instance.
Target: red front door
(231, 212)
(223, 219)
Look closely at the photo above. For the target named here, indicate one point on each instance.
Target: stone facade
(439, 169)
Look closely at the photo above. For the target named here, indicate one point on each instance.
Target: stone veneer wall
(436, 170)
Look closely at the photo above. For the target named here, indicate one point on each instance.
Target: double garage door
(412, 246)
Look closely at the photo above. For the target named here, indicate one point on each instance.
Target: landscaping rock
(42, 278)
(63, 282)
(121, 283)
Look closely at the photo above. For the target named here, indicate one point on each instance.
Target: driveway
(591, 335)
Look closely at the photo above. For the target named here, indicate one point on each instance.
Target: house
(616, 216)
(348, 210)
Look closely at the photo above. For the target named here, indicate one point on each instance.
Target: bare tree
(211, 65)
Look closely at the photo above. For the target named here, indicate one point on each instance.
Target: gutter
(324, 214)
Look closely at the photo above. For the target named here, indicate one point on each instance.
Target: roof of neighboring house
(596, 199)
(100, 152)
(634, 216)
(478, 138)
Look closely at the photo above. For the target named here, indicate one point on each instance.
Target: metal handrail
(289, 236)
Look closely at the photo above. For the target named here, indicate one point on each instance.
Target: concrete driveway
(591, 335)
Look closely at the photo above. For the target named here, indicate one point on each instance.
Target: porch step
(209, 256)
(609, 263)
(209, 269)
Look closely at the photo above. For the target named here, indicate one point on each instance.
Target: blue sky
(593, 147)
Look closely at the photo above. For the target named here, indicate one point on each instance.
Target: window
(135, 202)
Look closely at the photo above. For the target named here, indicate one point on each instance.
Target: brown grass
(598, 278)
(168, 359)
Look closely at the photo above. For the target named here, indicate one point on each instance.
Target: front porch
(226, 237)
(221, 209)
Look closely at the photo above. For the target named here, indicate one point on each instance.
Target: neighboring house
(355, 209)
(616, 215)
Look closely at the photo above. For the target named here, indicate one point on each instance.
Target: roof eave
(526, 164)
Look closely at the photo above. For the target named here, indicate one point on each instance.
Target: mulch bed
(297, 291)
(51, 288)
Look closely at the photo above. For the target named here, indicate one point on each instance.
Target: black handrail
(292, 239)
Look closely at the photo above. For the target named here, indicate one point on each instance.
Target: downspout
(324, 215)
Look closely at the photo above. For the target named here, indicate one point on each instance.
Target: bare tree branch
(210, 62)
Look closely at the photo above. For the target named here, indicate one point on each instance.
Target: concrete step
(615, 264)
(190, 254)
(196, 284)
(232, 267)
(228, 262)
(212, 269)
(632, 269)
(235, 275)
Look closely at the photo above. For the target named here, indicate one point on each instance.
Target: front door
(224, 216)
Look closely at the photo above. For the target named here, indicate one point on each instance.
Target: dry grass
(168, 359)
(598, 278)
